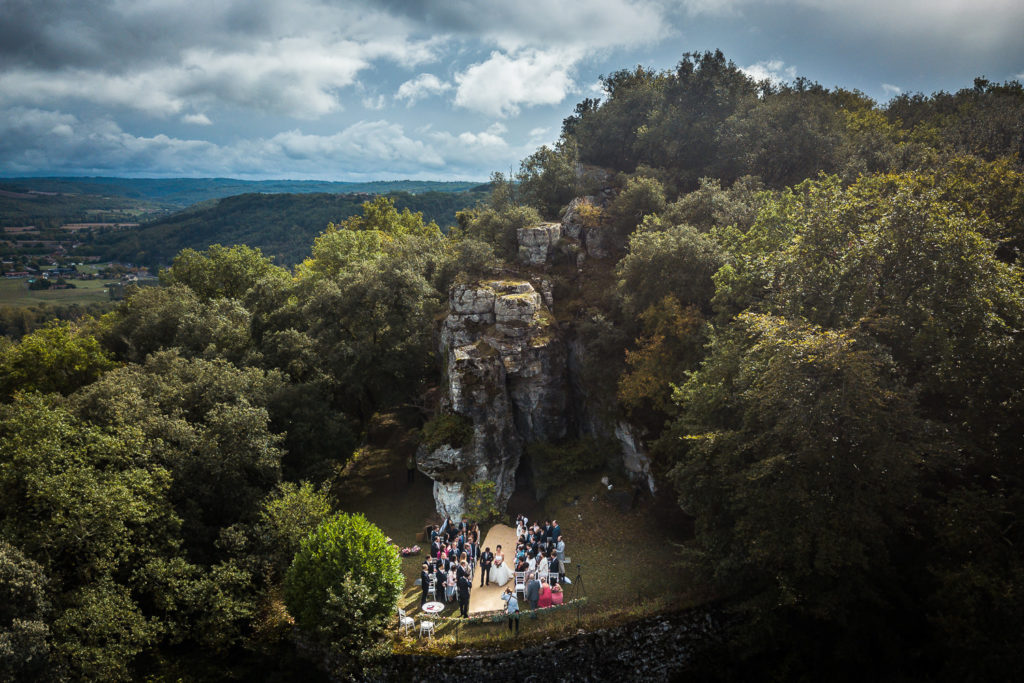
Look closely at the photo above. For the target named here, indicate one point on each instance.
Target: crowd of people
(540, 557)
(456, 553)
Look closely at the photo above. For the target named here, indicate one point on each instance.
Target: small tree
(342, 587)
(480, 501)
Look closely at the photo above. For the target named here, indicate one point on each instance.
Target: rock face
(537, 242)
(506, 373)
(634, 455)
(597, 240)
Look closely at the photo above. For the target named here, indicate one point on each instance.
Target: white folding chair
(432, 591)
(426, 627)
(404, 622)
(520, 583)
(552, 578)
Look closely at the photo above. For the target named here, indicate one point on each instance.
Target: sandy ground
(488, 598)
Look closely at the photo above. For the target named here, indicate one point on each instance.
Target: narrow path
(488, 598)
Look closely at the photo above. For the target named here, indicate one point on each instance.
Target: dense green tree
(292, 513)
(497, 226)
(547, 178)
(60, 357)
(712, 206)
(25, 609)
(798, 452)
(156, 318)
(209, 427)
(677, 261)
(222, 272)
(640, 197)
(342, 588)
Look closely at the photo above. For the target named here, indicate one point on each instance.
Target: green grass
(17, 293)
(629, 559)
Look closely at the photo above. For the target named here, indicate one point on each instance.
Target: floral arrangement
(406, 552)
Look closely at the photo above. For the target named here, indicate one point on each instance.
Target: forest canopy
(810, 305)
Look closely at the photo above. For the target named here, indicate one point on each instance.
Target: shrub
(454, 430)
(480, 501)
(342, 588)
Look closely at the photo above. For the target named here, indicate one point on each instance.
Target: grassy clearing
(628, 558)
(17, 293)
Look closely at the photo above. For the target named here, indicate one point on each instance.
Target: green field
(17, 293)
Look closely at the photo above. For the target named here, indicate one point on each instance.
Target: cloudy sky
(427, 89)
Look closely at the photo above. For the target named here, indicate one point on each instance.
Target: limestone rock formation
(506, 373)
(537, 242)
(596, 239)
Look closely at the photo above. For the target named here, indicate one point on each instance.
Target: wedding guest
(542, 566)
(545, 596)
(560, 551)
(553, 564)
(533, 591)
(557, 596)
(464, 586)
(449, 585)
(440, 578)
(556, 530)
(424, 583)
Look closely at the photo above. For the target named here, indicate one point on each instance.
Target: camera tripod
(578, 592)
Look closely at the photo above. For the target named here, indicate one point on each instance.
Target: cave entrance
(524, 499)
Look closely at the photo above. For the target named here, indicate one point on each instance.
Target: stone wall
(658, 648)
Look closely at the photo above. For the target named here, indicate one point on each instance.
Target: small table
(433, 607)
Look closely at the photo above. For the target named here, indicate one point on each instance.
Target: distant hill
(281, 225)
(182, 192)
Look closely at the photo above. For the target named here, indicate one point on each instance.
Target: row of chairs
(520, 578)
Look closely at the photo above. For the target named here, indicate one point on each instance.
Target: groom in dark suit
(486, 559)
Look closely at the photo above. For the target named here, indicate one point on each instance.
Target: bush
(342, 588)
(450, 429)
(480, 501)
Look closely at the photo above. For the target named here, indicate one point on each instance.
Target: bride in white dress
(500, 573)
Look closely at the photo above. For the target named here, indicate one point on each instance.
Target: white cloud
(34, 139)
(375, 103)
(773, 70)
(421, 87)
(302, 77)
(891, 90)
(197, 119)
(503, 83)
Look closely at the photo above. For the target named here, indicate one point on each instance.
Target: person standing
(464, 587)
(533, 591)
(556, 530)
(424, 583)
(511, 609)
(486, 558)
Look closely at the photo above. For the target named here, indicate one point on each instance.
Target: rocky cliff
(514, 374)
(506, 373)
